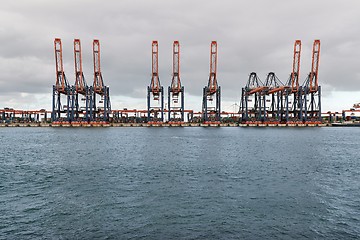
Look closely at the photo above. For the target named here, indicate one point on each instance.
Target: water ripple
(179, 183)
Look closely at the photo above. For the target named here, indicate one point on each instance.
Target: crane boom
(295, 74)
(61, 83)
(155, 82)
(80, 84)
(315, 66)
(274, 84)
(212, 84)
(176, 82)
(98, 80)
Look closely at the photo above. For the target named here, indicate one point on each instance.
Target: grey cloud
(252, 36)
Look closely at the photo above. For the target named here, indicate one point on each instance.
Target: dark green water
(180, 183)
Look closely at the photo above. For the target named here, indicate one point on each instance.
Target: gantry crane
(176, 89)
(155, 89)
(212, 90)
(278, 110)
(254, 92)
(311, 91)
(81, 87)
(295, 74)
(99, 88)
(313, 75)
(61, 87)
(277, 92)
(293, 95)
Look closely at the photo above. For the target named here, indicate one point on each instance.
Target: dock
(90, 125)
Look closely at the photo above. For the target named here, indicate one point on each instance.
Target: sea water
(179, 183)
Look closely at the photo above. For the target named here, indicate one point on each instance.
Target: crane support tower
(102, 108)
(212, 113)
(81, 88)
(176, 90)
(311, 91)
(155, 89)
(61, 88)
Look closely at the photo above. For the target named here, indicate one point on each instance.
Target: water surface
(179, 183)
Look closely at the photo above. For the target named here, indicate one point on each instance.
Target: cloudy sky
(253, 36)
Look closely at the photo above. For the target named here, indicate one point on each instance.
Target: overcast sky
(253, 36)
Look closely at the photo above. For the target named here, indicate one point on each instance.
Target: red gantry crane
(80, 83)
(275, 91)
(293, 93)
(61, 82)
(155, 89)
(295, 74)
(311, 93)
(212, 113)
(81, 87)
(99, 88)
(254, 90)
(176, 89)
(313, 85)
(61, 87)
(278, 111)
